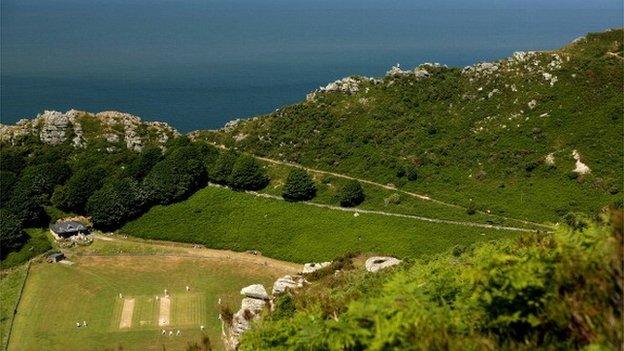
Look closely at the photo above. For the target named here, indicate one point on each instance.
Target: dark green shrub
(299, 186)
(248, 174)
(116, 202)
(411, 172)
(471, 208)
(351, 194)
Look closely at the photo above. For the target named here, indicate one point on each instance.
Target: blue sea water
(199, 63)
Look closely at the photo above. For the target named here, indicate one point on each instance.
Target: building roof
(67, 227)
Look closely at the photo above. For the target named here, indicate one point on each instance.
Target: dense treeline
(110, 185)
(558, 291)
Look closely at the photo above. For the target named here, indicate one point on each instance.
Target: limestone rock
(287, 282)
(255, 291)
(314, 266)
(377, 263)
(253, 305)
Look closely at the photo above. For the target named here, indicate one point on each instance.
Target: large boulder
(253, 305)
(287, 282)
(314, 266)
(255, 291)
(377, 263)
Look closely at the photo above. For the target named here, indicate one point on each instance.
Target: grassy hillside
(539, 292)
(56, 296)
(223, 219)
(502, 135)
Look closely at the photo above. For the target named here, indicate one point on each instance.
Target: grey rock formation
(377, 263)
(287, 282)
(314, 266)
(53, 128)
(255, 291)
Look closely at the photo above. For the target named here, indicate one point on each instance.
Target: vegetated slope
(503, 134)
(224, 219)
(558, 291)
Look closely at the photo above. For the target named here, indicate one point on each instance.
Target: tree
(248, 174)
(174, 178)
(74, 194)
(27, 207)
(12, 236)
(116, 202)
(351, 194)
(7, 182)
(143, 164)
(299, 186)
(42, 178)
(222, 168)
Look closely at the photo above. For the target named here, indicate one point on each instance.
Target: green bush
(299, 186)
(248, 174)
(116, 202)
(350, 194)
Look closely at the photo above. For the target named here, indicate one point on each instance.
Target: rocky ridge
(81, 128)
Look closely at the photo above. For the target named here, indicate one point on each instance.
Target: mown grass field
(223, 219)
(56, 296)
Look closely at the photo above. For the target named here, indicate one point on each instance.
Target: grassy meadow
(56, 296)
(223, 219)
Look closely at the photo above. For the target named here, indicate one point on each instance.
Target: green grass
(11, 282)
(327, 186)
(37, 244)
(56, 296)
(223, 219)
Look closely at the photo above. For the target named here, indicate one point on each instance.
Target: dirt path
(409, 193)
(126, 314)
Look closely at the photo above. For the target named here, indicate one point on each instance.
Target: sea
(197, 64)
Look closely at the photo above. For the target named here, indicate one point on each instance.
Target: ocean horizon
(197, 65)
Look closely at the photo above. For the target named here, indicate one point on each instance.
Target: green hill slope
(503, 134)
(296, 232)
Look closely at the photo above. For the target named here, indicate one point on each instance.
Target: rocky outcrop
(254, 302)
(377, 263)
(53, 128)
(348, 85)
